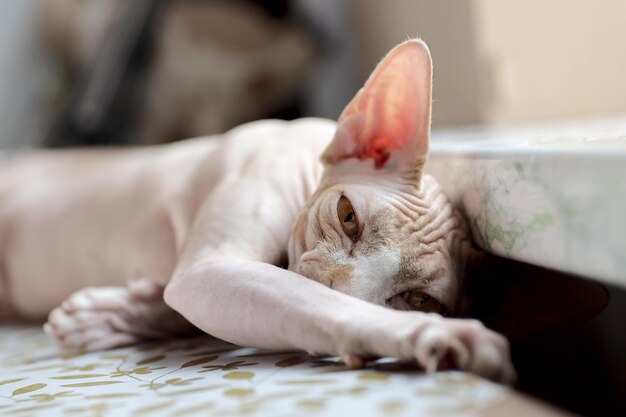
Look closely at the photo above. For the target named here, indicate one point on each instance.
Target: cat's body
(133, 208)
(212, 222)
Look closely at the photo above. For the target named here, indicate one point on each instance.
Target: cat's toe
(146, 290)
(490, 352)
(100, 298)
(439, 348)
(88, 330)
(491, 358)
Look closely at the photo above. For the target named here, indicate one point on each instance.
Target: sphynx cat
(203, 230)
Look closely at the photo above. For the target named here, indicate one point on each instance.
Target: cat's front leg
(256, 304)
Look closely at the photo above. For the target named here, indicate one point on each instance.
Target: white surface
(204, 376)
(551, 195)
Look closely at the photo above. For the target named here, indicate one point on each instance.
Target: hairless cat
(253, 238)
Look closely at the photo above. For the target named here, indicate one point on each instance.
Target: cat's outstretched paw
(435, 342)
(466, 345)
(107, 317)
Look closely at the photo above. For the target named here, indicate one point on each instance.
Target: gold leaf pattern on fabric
(69, 356)
(356, 390)
(238, 392)
(373, 376)
(151, 359)
(78, 376)
(10, 381)
(96, 409)
(41, 398)
(144, 370)
(262, 354)
(289, 362)
(180, 381)
(151, 408)
(169, 382)
(26, 410)
(392, 406)
(91, 384)
(199, 361)
(231, 366)
(112, 395)
(29, 388)
(84, 368)
(239, 375)
(456, 379)
(193, 390)
(312, 404)
(50, 397)
(29, 361)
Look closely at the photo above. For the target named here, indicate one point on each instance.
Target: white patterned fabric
(206, 376)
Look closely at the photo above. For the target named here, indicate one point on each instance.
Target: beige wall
(553, 59)
(379, 25)
(507, 61)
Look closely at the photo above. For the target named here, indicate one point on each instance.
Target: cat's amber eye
(422, 302)
(347, 218)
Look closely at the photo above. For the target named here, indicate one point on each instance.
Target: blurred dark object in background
(566, 332)
(102, 48)
(154, 71)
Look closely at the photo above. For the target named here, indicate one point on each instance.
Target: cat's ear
(389, 118)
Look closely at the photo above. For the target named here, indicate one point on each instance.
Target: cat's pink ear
(391, 113)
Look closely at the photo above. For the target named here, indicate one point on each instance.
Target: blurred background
(81, 72)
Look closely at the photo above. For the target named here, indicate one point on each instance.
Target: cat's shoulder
(309, 131)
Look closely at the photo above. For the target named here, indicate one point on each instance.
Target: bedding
(205, 376)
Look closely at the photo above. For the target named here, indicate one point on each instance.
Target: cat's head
(377, 228)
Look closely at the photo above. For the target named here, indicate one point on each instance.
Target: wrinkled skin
(203, 226)
(412, 238)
